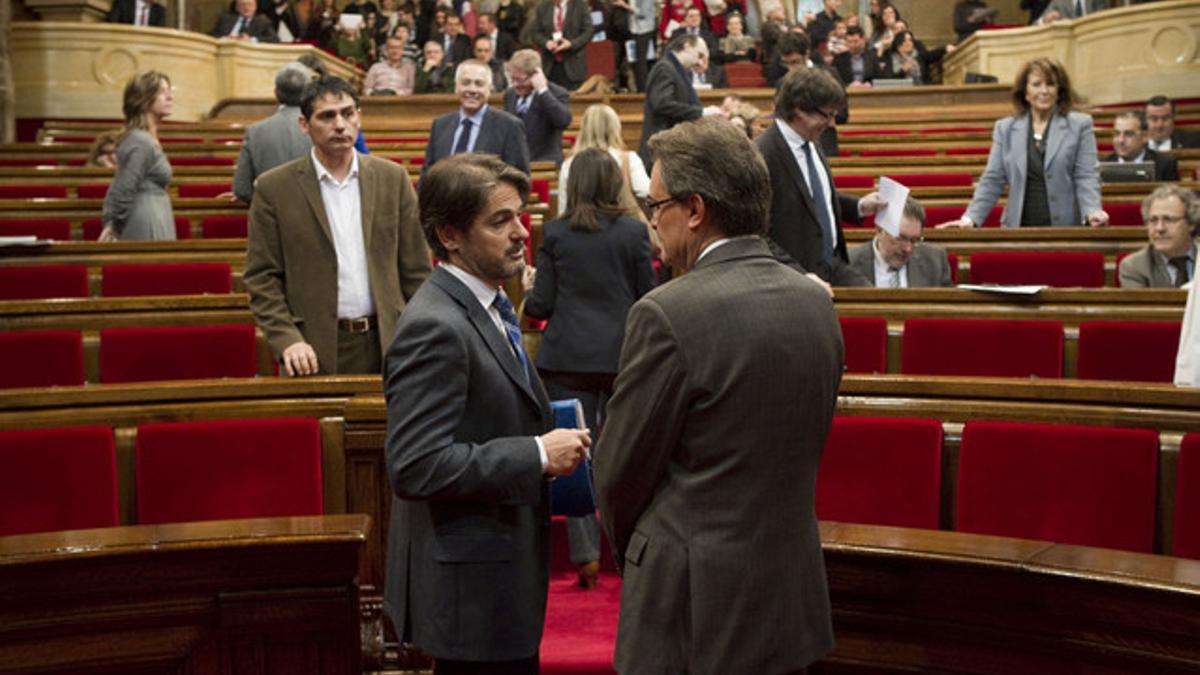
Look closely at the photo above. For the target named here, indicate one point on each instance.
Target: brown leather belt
(363, 324)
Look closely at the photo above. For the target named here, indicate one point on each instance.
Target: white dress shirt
(343, 208)
(884, 272)
(1160, 146)
(796, 143)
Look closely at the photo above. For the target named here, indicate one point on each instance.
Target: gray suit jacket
(577, 29)
(705, 472)
(544, 121)
(269, 143)
(928, 265)
(468, 541)
(1072, 170)
(500, 134)
(1146, 269)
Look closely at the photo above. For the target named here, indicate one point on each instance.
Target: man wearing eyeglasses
(806, 210)
(903, 261)
(1172, 217)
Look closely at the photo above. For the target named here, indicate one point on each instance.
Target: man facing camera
(1160, 117)
(244, 24)
(541, 106)
(903, 261)
(475, 126)
(469, 446)
(1129, 145)
(1172, 217)
(727, 385)
(334, 248)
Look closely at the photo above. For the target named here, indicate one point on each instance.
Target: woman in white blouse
(601, 128)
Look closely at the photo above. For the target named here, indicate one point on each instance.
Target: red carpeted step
(581, 626)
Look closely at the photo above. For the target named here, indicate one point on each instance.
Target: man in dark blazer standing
(903, 261)
(475, 126)
(806, 210)
(137, 13)
(542, 106)
(670, 97)
(469, 447)
(728, 382)
(561, 31)
(244, 24)
(455, 43)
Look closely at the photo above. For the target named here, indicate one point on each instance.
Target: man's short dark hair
(329, 85)
(1162, 100)
(792, 43)
(807, 89)
(1139, 115)
(290, 82)
(455, 190)
(481, 36)
(855, 30)
(735, 190)
(682, 41)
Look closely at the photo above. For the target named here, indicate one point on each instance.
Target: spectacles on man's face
(1164, 220)
(652, 206)
(829, 115)
(911, 241)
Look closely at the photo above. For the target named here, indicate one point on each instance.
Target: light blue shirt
(476, 122)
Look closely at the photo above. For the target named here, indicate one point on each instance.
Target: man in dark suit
(806, 210)
(903, 261)
(244, 24)
(277, 139)
(469, 445)
(728, 382)
(542, 106)
(1172, 217)
(792, 54)
(335, 249)
(455, 44)
(1160, 117)
(137, 13)
(484, 51)
(708, 75)
(670, 97)
(561, 31)
(475, 126)
(502, 43)
(692, 25)
(1129, 145)
(858, 65)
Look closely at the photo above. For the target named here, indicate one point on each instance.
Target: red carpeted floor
(581, 626)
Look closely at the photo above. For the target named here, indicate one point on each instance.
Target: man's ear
(450, 237)
(698, 211)
(303, 123)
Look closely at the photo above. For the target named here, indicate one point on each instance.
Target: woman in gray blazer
(593, 264)
(1045, 153)
(137, 206)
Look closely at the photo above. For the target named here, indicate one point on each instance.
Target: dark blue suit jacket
(500, 134)
(544, 122)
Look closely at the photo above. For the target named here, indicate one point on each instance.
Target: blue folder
(572, 495)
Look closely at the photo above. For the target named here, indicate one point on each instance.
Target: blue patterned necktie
(820, 203)
(512, 329)
(464, 142)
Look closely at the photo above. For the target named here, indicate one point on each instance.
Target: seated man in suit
(396, 75)
(484, 52)
(1129, 145)
(1172, 217)
(857, 66)
(455, 44)
(475, 126)
(904, 261)
(541, 105)
(1160, 118)
(708, 75)
(137, 13)
(692, 26)
(244, 24)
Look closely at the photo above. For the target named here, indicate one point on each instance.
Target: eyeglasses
(653, 206)
(911, 241)
(829, 116)
(1163, 220)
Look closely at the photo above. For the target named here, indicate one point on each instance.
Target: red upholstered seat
(1124, 214)
(1091, 486)
(57, 479)
(1186, 536)
(201, 161)
(875, 132)
(745, 74)
(601, 59)
(1117, 268)
(33, 192)
(42, 228)
(953, 130)
(865, 339)
(981, 150)
(35, 282)
(541, 188)
(1142, 351)
(93, 226)
(165, 279)
(898, 152)
(43, 358)
(417, 161)
(985, 347)
(222, 469)
(183, 228)
(881, 471)
(203, 190)
(933, 179)
(177, 353)
(92, 191)
(224, 227)
(851, 180)
(1067, 269)
(28, 161)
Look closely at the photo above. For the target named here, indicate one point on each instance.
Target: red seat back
(978, 150)
(183, 228)
(35, 282)
(1141, 351)
(224, 227)
(43, 228)
(1064, 269)
(952, 259)
(601, 59)
(850, 181)
(1124, 214)
(898, 152)
(165, 279)
(57, 479)
(203, 190)
(933, 179)
(541, 188)
(177, 353)
(214, 470)
(745, 74)
(1090, 486)
(43, 358)
(881, 471)
(865, 339)
(201, 161)
(984, 347)
(92, 191)
(33, 192)
(1186, 530)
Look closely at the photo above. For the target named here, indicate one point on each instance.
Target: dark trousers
(528, 666)
(641, 47)
(358, 353)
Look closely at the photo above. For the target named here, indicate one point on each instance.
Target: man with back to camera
(670, 97)
(1160, 119)
(542, 106)
(903, 261)
(277, 139)
(335, 249)
(476, 126)
(726, 391)
(1172, 217)
(1129, 145)
(469, 446)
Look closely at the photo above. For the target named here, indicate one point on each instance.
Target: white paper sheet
(895, 195)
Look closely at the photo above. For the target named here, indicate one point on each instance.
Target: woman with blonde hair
(601, 129)
(137, 205)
